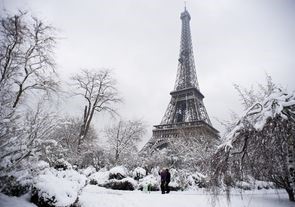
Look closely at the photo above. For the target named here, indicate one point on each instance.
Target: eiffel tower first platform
(186, 114)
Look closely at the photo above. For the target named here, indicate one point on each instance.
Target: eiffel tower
(186, 113)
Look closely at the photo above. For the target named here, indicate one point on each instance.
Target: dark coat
(163, 175)
(168, 176)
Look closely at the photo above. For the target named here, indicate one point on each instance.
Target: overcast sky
(234, 41)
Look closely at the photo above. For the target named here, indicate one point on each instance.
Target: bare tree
(98, 88)
(26, 50)
(67, 135)
(124, 137)
(248, 97)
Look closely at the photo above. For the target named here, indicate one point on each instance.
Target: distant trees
(66, 135)
(189, 150)
(260, 143)
(192, 150)
(123, 138)
(98, 88)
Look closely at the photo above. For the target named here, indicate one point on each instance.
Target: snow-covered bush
(19, 181)
(251, 184)
(243, 185)
(184, 179)
(57, 188)
(263, 185)
(62, 164)
(178, 179)
(116, 178)
(118, 172)
(122, 184)
(197, 179)
(99, 178)
(87, 171)
(138, 173)
(12, 187)
(174, 186)
(151, 181)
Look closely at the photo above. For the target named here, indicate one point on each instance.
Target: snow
(258, 114)
(150, 179)
(199, 176)
(101, 177)
(119, 170)
(63, 186)
(130, 180)
(41, 165)
(263, 184)
(23, 201)
(88, 171)
(139, 171)
(173, 184)
(94, 196)
(26, 176)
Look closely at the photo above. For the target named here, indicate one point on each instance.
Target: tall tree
(26, 55)
(26, 65)
(98, 88)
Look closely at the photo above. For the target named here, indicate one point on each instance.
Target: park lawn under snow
(23, 201)
(94, 196)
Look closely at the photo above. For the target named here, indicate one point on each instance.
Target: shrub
(151, 181)
(57, 188)
(11, 187)
(118, 173)
(138, 173)
(123, 184)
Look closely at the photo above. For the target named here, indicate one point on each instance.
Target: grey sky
(234, 41)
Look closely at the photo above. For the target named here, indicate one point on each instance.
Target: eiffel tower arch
(186, 114)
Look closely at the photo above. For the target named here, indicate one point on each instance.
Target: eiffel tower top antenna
(184, 5)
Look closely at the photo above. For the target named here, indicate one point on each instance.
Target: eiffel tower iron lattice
(186, 112)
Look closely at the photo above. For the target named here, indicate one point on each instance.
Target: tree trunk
(117, 156)
(19, 93)
(291, 160)
(82, 129)
(80, 138)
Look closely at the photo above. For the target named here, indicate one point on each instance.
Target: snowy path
(94, 196)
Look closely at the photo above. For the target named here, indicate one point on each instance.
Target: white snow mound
(62, 185)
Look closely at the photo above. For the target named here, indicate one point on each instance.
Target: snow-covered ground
(94, 196)
(23, 201)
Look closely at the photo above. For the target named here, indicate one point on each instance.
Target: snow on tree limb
(277, 103)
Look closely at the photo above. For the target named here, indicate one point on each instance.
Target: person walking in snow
(163, 175)
(168, 177)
